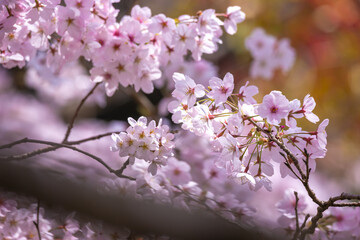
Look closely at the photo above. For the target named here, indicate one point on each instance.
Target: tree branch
(71, 123)
(304, 177)
(90, 138)
(297, 231)
(9, 145)
(37, 223)
(325, 206)
(56, 146)
(322, 205)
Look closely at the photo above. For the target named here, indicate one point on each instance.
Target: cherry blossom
(221, 89)
(287, 205)
(269, 54)
(233, 16)
(274, 107)
(150, 142)
(186, 90)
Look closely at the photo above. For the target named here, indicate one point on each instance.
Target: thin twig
(345, 196)
(281, 145)
(61, 145)
(306, 161)
(314, 221)
(353, 204)
(52, 148)
(10, 145)
(77, 142)
(90, 138)
(31, 154)
(121, 170)
(297, 231)
(287, 164)
(304, 223)
(71, 123)
(37, 223)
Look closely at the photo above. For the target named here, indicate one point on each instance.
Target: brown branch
(9, 145)
(354, 204)
(52, 148)
(287, 164)
(90, 138)
(121, 170)
(345, 196)
(297, 231)
(31, 154)
(71, 123)
(304, 223)
(37, 223)
(60, 145)
(325, 206)
(304, 177)
(314, 220)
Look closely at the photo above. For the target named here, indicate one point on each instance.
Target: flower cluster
(233, 122)
(269, 54)
(129, 52)
(149, 142)
(189, 180)
(134, 49)
(18, 215)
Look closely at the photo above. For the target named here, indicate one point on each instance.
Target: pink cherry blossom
(233, 16)
(287, 205)
(259, 43)
(177, 171)
(141, 14)
(269, 54)
(321, 133)
(246, 94)
(208, 22)
(221, 89)
(284, 55)
(186, 90)
(69, 20)
(308, 106)
(162, 23)
(345, 219)
(263, 66)
(274, 107)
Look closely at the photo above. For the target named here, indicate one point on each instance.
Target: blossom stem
(232, 105)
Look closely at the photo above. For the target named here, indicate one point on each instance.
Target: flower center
(223, 89)
(177, 172)
(274, 109)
